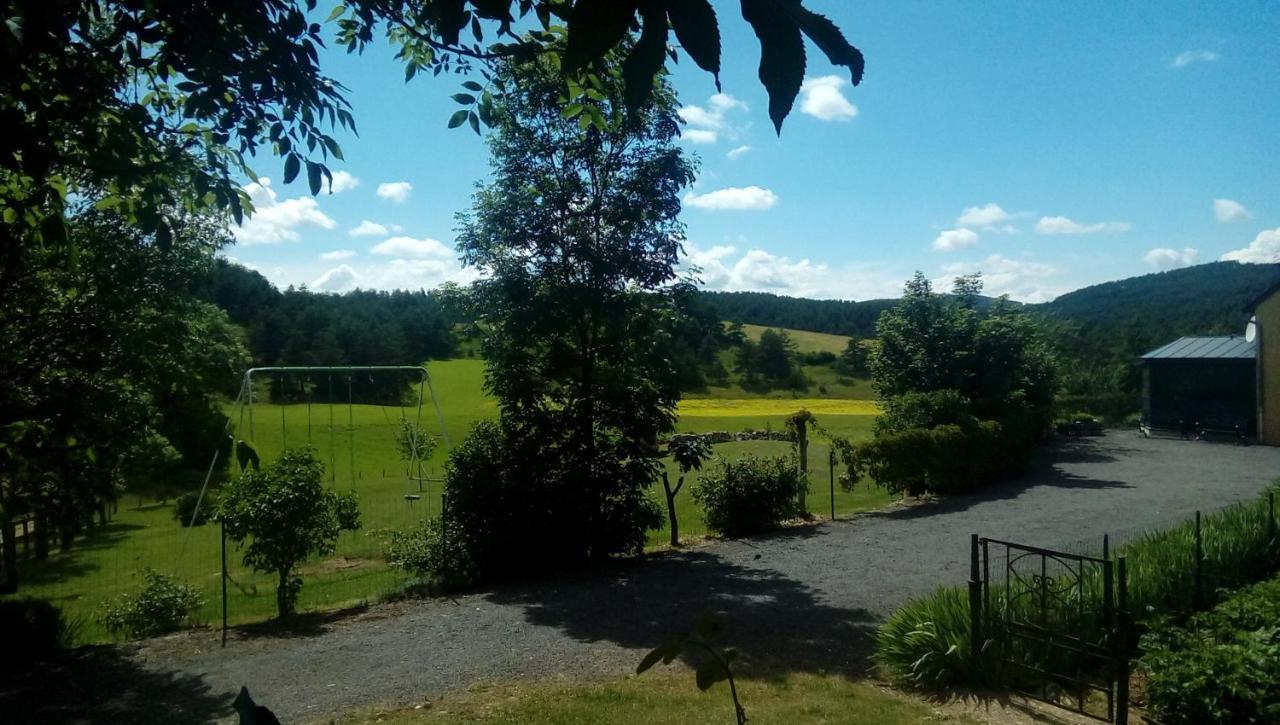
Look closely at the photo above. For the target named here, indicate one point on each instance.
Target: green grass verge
(670, 698)
(362, 457)
(804, 340)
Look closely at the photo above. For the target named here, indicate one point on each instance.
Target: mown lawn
(359, 451)
(670, 698)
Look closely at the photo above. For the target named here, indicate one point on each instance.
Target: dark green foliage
(250, 712)
(504, 490)
(298, 327)
(769, 363)
(945, 459)
(855, 360)
(287, 516)
(1222, 666)
(836, 317)
(750, 495)
(33, 628)
(162, 605)
(185, 507)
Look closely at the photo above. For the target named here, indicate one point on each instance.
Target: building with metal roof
(1199, 384)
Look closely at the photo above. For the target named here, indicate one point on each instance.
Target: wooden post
(975, 605)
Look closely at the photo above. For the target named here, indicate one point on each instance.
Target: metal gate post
(975, 605)
(831, 467)
(1122, 643)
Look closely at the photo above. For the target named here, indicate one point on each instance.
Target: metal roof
(1205, 348)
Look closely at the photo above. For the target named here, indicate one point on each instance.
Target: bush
(521, 504)
(1223, 667)
(185, 506)
(163, 605)
(822, 357)
(433, 554)
(943, 460)
(33, 628)
(750, 495)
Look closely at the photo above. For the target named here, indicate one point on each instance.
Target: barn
(1201, 384)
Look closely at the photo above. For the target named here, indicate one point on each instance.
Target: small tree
(689, 451)
(289, 516)
(415, 447)
(798, 424)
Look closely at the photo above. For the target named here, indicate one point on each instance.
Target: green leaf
(291, 167)
(709, 628)
(595, 26)
(782, 59)
(472, 86)
(314, 173)
(694, 22)
(831, 41)
(645, 59)
(475, 122)
(571, 110)
(465, 99)
(650, 659)
(458, 118)
(337, 12)
(709, 674)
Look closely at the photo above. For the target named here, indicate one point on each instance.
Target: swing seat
(411, 497)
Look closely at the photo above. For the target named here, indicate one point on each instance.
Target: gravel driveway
(806, 599)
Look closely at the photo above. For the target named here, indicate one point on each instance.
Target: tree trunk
(9, 582)
(671, 507)
(41, 533)
(284, 607)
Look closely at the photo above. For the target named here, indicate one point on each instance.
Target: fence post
(223, 526)
(1271, 517)
(1106, 546)
(1122, 642)
(831, 469)
(975, 605)
(1199, 590)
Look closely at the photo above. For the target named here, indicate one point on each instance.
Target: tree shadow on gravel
(778, 624)
(104, 685)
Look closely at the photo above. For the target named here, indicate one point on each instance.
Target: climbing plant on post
(689, 451)
(798, 424)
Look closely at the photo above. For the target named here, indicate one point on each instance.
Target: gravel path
(806, 599)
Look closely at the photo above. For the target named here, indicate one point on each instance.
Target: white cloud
(983, 216)
(343, 181)
(953, 239)
(413, 248)
(339, 279)
(1166, 258)
(367, 228)
(275, 221)
(1063, 225)
(738, 152)
(705, 124)
(822, 98)
(734, 198)
(1228, 211)
(1187, 57)
(756, 270)
(397, 191)
(1022, 280)
(699, 135)
(1264, 249)
(337, 254)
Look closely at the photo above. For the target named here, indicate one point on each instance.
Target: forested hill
(1205, 299)
(836, 317)
(297, 327)
(1201, 300)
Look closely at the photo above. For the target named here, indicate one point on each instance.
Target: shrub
(927, 642)
(185, 506)
(163, 605)
(750, 495)
(1223, 667)
(924, 409)
(432, 553)
(521, 504)
(34, 628)
(943, 460)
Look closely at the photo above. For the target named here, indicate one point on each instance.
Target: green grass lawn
(359, 450)
(670, 698)
(804, 340)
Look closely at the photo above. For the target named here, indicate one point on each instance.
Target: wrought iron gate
(1052, 625)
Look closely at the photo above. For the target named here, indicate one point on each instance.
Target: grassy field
(804, 340)
(670, 698)
(359, 453)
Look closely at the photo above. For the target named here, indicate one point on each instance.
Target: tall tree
(578, 239)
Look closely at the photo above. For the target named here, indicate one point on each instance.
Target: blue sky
(1048, 145)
